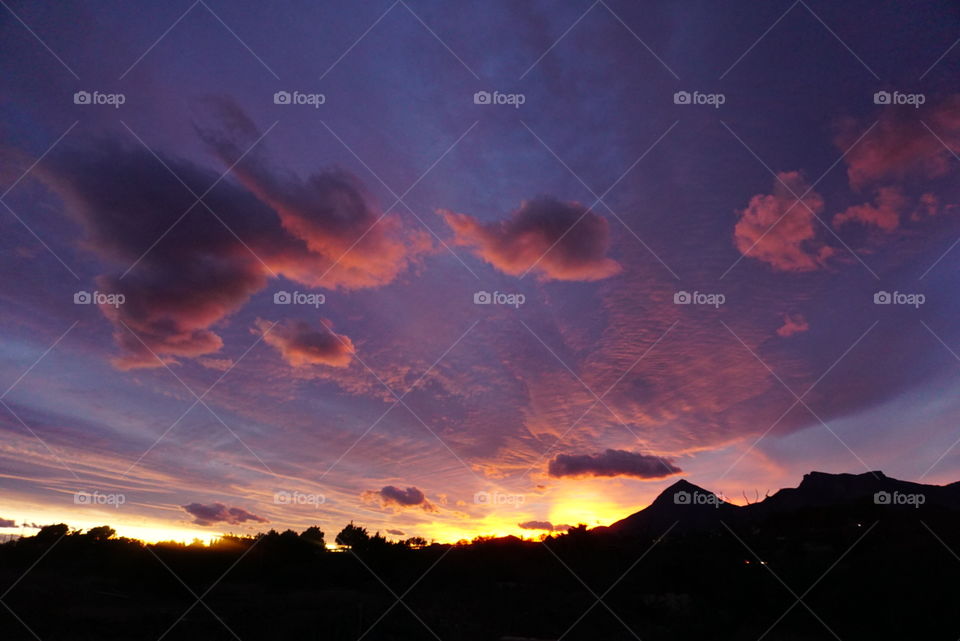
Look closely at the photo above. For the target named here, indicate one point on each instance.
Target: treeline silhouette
(823, 562)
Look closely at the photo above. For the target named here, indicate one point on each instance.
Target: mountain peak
(669, 494)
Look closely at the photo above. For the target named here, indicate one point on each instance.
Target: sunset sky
(190, 400)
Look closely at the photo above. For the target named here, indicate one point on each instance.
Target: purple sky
(781, 202)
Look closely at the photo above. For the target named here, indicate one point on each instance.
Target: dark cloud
(300, 344)
(543, 525)
(612, 463)
(554, 239)
(395, 532)
(220, 513)
(196, 264)
(189, 274)
(390, 496)
(8, 523)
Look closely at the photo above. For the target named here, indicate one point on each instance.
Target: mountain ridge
(686, 506)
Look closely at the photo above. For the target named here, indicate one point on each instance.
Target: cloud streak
(543, 525)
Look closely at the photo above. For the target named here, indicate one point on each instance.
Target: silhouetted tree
(314, 535)
(101, 533)
(51, 533)
(353, 536)
(416, 542)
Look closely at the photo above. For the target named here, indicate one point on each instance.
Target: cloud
(219, 364)
(928, 206)
(390, 496)
(8, 523)
(220, 513)
(301, 345)
(190, 272)
(543, 525)
(612, 463)
(554, 239)
(900, 146)
(884, 214)
(792, 324)
(345, 241)
(191, 265)
(395, 532)
(790, 244)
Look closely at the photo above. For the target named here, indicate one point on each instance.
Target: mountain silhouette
(687, 506)
(683, 505)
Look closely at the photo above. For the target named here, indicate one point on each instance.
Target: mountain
(820, 489)
(683, 506)
(687, 507)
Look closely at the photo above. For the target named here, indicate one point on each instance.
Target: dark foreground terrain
(840, 557)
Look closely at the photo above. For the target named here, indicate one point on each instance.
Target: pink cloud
(900, 145)
(793, 324)
(301, 345)
(554, 239)
(884, 213)
(343, 241)
(928, 206)
(778, 230)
